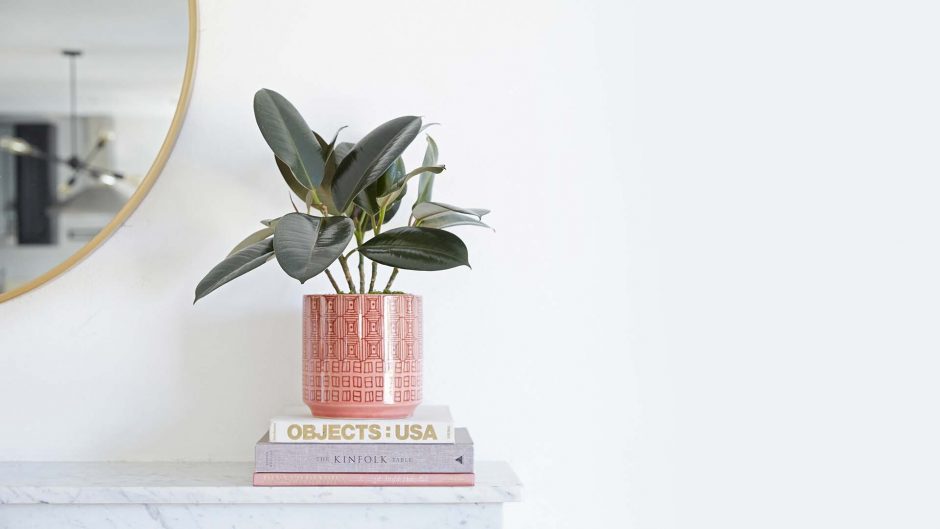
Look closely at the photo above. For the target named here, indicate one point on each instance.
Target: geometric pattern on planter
(362, 348)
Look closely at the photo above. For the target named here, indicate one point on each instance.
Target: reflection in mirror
(88, 92)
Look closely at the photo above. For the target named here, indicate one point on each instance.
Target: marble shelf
(196, 495)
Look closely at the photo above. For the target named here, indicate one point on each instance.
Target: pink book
(342, 479)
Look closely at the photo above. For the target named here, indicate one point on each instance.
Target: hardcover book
(286, 479)
(362, 457)
(428, 424)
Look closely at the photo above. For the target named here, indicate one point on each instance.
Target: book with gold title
(411, 458)
(428, 425)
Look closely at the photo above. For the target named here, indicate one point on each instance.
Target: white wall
(715, 251)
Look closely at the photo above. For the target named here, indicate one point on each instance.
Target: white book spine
(313, 430)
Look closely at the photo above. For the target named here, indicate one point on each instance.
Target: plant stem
(375, 274)
(376, 230)
(315, 199)
(359, 237)
(378, 227)
(388, 286)
(349, 279)
(362, 274)
(333, 281)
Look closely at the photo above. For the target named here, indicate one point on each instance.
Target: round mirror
(92, 96)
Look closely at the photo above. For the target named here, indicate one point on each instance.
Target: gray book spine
(366, 457)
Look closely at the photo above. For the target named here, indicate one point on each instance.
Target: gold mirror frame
(155, 169)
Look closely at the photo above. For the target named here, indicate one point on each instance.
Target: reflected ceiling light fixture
(15, 145)
(108, 179)
(79, 165)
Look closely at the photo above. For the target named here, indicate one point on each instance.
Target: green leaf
(425, 210)
(235, 265)
(448, 219)
(257, 236)
(333, 156)
(435, 169)
(289, 136)
(336, 135)
(440, 215)
(390, 212)
(426, 181)
(324, 146)
(371, 156)
(288, 177)
(306, 245)
(416, 249)
(365, 201)
(391, 178)
(342, 149)
(401, 187)
(328, 153)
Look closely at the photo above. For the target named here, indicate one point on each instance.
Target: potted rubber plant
(362, 345)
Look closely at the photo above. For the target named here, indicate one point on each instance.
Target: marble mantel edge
(221, 483)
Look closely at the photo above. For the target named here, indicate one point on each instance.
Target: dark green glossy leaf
(417, 249)
(371, 156)
(288, 177)
(288, 135)
(390, 179)
(305, 245)
(425, 210)
(336, 135)
(324, 146)
(334, 157)
(342, 149)
(257, 236)
(399, 190)
(400, 181)
(426, 180)
(366, 202)
(448, 219)
(235, 265)
(332, 154)
(389, 213)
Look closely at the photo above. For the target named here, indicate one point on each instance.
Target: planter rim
(359, 294)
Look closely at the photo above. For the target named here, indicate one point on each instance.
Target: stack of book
(423, 450)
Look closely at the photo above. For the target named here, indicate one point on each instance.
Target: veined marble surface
(24, 483)
(253, 516)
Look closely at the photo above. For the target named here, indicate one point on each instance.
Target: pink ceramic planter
(362, 355)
